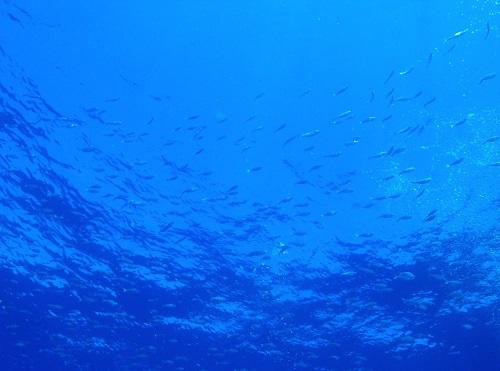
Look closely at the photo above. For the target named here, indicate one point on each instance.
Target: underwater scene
(261, 185)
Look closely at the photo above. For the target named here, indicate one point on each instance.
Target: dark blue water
(270, 185)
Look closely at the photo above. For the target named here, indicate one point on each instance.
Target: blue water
(264, 185)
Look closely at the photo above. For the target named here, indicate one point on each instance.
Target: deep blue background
(178, 189)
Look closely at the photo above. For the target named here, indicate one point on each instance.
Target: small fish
(491, 140)
(315, 167)
(387, 118)
(354, 141)
(280, 128)
(239, 140)
(128, 81)
(404, 217)
(429, 60)
(330, 213)
(430, 216)
(22, 11)
(156, 98)
(341, 91)
(380, 154)
(389, 77)
(429, 102)
(413, 130)
(487, 31)
(365, 235)
(302, 182)
(487, 77)
(458, 34)
(372, 97)
(344, 114)
(389, 94)
(417, 94)
(423, 181)
(459, 123)
(456, 162)
(405, 130)
(394, 196)
(407, 170)
(258, 96)
(13, 18)
(432, 212)
(193, 117)
(345, 191)
(368, 119)
(251, 118)
(254, 169)
(420, 193)
(407, 99)
(406, 72)
(310, 134)
(495, 164)
(289, 140)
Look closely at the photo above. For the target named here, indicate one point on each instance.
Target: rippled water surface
(269, 185)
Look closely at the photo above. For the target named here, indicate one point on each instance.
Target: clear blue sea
(260, 185)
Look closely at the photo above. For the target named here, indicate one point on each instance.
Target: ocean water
(264, 185)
